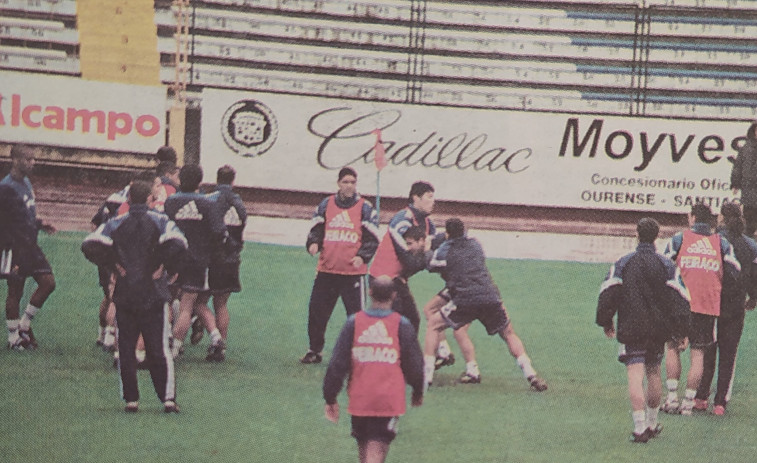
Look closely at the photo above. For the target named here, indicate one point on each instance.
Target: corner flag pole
(380, 161)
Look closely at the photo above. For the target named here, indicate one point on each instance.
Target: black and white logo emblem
(249, 128)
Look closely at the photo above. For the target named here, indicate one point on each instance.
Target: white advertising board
(73, 112)
(473, 155)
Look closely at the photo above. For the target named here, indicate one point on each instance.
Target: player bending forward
(474, 296)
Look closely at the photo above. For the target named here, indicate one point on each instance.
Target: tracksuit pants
(327, 288)
(726, 347)
(153, 324)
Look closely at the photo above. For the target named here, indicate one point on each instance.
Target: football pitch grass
(61, 403)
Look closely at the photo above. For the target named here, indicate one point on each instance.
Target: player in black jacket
(645, 289)
(199, 218)
(141, 247)
(730, 323)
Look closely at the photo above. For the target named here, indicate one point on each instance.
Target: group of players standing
(159, 244)
(693, 295)
(378, 347)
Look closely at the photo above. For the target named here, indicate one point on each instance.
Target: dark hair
(382, 289)
(139, 191)
(19, 150)
(751, 135)
(419, 189)
(732, 218)
(226, 175)
(702, 213)
(455, 227)
(165, 168)
(648, 230)
(190, 177)
(166, 153)
(148, 176)
(347, 171)
(415, 233)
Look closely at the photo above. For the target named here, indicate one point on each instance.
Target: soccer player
(378, 349)
(395, 259)
(168, 175)
(730, 323)
(474, 296)
(709, 270)
(27, 256)
(141, 247)
(345, 233)
(646, 291)
(223, 275)
(200, 220)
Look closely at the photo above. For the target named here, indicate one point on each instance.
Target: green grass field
(61, 403)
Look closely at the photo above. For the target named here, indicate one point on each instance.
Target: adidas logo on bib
(703, 246)
(341, 221)
(375, 334)
(189, 211)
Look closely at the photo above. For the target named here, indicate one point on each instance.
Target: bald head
(382, 289)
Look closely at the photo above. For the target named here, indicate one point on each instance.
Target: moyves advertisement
(472, 155)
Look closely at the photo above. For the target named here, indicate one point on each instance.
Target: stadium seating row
(30, 59)
(53, 8)
(37, 31)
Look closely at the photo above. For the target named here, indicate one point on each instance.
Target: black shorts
(30, 261)
(224, 278)
(492, 316)
(702, 330)
(383, 429)
(193, 278)
(648, 354)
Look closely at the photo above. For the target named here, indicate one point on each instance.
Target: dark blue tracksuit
(134, 246)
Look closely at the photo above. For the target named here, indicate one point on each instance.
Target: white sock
(428, 368)
(177, 344)
(652, 417)
(100, 333)
(639, 421)
(525, 364)
(26, 319)
(672, 385)
(12, 330)
(215, 337)
(472, 368)
(443, 350)
(690, 394)
(109, 337)
(140, 355)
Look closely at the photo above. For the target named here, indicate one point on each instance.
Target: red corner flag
(380, 152)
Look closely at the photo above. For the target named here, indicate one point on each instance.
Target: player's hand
(416, 401)
(681, 344)
(357, 261)
(313, 249)
(750, 304)
(332, 412)
(610, 331)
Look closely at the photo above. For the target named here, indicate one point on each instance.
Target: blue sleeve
(318, 225)
(674, 246)
(98, 246)
(411, 357)
(370, 225)
(438, 262)
(340, 364)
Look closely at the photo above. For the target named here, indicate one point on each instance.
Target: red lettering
(86, 117)
(54, 118)
(142, 125)
(26, 115)
(15, 110)
(115, 128)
